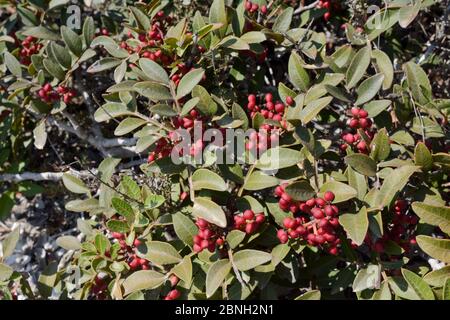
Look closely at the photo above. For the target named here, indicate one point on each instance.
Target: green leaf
(153, 201)
(408, 13)
(342, 192)
(12, 64)
(310, 295)
(423, 157)
(130, 187)
(278, 158)
(235, 237)
(184, 228)
(384, 66)
(206, 104)
(337, 93)
(72, 40)
(249, 259)
(104, 64)
(362, 164)
(358, 66)
(380, 146)
(183, 270)
(297, 74)
(437, 278)
(163, 110)
(123, 208)
(189, 81)
(313, 108)
(158, 252)
(142, 280)
(154, 71)
(253, 37)
(127, 125)
(283, 21)
(434, 215)
(217, 273)
(61, 54)
(384, 293)
(119, 72)
(210, 211)
(419, 286)
(218, 14)
(369, 88)
(300, 190)
(152, 90)
(394, 183)
(74, 184)
(68, 243)
(88, 31)
(258, 181)
(436, 248)
(358, 182)
(234, 43)
(10, 243)
(446, 290)
(206, 179)
(375, 107)
(145, 142)
(367, 278)
(102, 243)
(41, 33)
(189, 105)
(141, 18)
(279, 253)
(356, 225)
(40, 135)
(54, 68)
(118, 226)
(418, 82)
(5, 272)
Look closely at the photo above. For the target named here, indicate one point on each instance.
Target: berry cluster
(148, 43)
(29, 47)
(134, 262)
(248, 221)
(163, 149)
(400, 230)
(254, 7)
(316, 220)
(329, 5)
(207, 237)
(49, 95)
(268, 108)
(359, 120)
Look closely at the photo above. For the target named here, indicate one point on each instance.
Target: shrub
(334, 184)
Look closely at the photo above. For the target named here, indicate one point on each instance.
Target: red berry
(288, 223)
(328, 196)
(363, 113)
(289, 101)
(174, 294)
(264, 9)
(248, 215)
(320, 202)
(327, 16)
(260, 218)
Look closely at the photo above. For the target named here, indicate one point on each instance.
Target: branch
(43, 176)
(103, 144)
(304, 8)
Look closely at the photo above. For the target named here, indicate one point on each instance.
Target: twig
(304, 8)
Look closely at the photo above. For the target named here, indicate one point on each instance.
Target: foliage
(332, 211)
